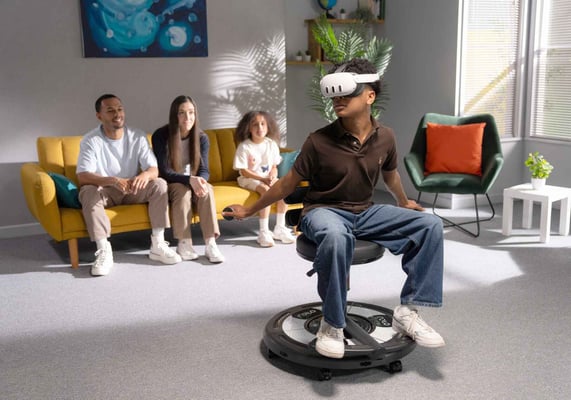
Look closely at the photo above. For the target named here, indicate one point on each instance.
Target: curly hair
(359, 66)
(242, 131)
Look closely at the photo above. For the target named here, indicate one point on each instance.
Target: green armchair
(457, 183)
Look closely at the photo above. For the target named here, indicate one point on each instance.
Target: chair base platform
(370, 339)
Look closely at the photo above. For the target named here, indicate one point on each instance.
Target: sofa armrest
(40, 193)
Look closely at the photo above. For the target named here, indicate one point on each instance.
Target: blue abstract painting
(144, 28)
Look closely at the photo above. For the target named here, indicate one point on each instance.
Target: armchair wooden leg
(73, 253)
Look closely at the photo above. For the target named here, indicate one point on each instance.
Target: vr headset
(345, 84)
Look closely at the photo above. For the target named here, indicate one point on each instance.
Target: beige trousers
(94, 200)
(182, 202)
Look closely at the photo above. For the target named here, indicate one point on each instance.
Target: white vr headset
(345, 84)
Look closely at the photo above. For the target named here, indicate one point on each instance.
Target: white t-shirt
(258, 158)
(123, 158)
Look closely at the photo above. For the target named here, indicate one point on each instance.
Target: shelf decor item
(381, 5)
(327, 5)
(342, 14)
(540, 169)
(307, 56)
(350, 42)
(299, 56)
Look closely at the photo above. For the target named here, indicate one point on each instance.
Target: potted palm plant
(540, 169)
(352, 42)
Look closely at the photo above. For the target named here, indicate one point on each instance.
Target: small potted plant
(307, 56)
(540, 169)
(342, 14)
(299, 56)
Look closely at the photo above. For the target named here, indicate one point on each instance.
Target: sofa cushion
(288, 159)
(66, 192)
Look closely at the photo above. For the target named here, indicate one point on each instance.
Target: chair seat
(365, 251)
(452, 183)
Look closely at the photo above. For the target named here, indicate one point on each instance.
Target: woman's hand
(199, 186)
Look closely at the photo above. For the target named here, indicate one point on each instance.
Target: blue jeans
(416, 235)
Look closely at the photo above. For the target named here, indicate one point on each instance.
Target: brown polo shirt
(342, 172)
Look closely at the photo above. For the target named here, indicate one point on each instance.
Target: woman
(181, 149)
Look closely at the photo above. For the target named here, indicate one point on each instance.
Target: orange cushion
(454, 148)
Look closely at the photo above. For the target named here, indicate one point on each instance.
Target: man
(343, 162)
(117, 166)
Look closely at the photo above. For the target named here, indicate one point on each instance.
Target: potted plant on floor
(540, 169)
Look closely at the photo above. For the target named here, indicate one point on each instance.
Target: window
(489, 66)
(551, 73)
(504, 59)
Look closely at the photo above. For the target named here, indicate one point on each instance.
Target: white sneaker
(103, 261)
(213, 254)
(185, 250)
(283, 234)
(330, 341)
(265, 239)
(160, 251)
(407, 321)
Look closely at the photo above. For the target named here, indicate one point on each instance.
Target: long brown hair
(174, 140)
(243, 129)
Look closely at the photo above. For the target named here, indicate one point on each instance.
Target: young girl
(257, 158)
(181, 149)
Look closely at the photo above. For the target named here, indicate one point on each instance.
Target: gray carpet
(193, 330)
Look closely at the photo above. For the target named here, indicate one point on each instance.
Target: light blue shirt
(123, 158)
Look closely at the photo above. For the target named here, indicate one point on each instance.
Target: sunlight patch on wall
(250, 79)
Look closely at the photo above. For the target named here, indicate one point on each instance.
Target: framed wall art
(144, 28)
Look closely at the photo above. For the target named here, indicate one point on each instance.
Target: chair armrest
(40, 194)
(491, 171)
(415, 168)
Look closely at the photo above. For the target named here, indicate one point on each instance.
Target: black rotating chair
(370, 339)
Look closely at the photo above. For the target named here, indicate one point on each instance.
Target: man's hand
(137, 183)
(124, 185)
(412, 205)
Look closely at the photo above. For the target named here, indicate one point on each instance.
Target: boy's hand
(235, 211)
(412, 205)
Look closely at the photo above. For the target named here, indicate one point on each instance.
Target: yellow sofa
(59, 154)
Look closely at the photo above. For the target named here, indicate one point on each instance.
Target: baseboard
(13, 231)
(458, 201)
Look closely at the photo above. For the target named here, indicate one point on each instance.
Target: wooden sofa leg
(73, 253)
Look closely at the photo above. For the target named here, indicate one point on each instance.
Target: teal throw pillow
(66, 192)
(288, 159)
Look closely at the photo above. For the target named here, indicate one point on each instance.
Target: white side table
(546, 196)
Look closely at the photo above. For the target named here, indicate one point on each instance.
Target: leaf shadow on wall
(250, 79)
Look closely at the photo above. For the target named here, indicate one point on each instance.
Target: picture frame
(113, 29)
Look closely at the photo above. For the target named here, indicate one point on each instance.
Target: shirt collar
(339, 131)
